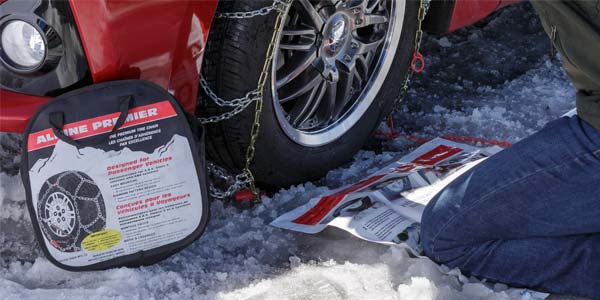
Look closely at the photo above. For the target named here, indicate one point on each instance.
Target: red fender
(158, 41)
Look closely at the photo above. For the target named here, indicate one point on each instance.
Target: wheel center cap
(335, 33)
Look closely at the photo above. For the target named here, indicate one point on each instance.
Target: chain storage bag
(114, 176)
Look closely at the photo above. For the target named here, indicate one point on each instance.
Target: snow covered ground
(493, 80)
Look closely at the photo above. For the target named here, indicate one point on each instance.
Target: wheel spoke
(293, 69)
(302, 44)
(356, 74)
(373, 19)
(362, 67)
(372, 5)
(60, 201)
(302, 113)
(327, 107)
(299, 31)
(313, 14)
(369, 58)
(344, 88)
(366, 47)
(346, 64)
(301, 89)
(362, 62)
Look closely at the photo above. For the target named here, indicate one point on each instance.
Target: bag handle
(57, 121)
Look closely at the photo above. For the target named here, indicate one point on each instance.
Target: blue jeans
(528, 216)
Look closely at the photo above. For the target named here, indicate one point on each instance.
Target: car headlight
(22, 45)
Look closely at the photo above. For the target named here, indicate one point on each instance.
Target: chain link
(423, 8)
(249, 97)
(233, 184)
(245, 178)
(238, 104)
(278, 5)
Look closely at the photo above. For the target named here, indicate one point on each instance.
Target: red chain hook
(417, 63)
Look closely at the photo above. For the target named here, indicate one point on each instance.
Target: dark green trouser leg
(574, 27)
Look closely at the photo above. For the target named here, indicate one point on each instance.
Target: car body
(159, 41)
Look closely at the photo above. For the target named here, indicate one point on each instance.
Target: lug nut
(347, 58)
(358, 21)
(354, 46)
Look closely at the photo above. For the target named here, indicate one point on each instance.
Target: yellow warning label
(101, 240)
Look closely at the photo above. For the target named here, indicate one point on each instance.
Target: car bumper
(16, 110)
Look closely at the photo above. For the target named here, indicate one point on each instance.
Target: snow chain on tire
(246, 178)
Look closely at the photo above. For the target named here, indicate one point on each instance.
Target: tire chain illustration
(70, 207)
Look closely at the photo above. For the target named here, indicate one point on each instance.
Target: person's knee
(442, 239)
(429, 229)
(434, 221)
(441, 227)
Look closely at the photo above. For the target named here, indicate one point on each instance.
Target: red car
(337, 70)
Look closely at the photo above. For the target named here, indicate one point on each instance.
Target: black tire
(233, 60)
(82, 197)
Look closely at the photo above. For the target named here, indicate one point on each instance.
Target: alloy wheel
(60, 214)
(332, 58)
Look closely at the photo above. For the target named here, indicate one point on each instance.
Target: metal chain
(278, 5)
(249, 97)
(245, 178)
(233, 183)
(238, 104)
(420, 18)
(423, 8)
(259, 104)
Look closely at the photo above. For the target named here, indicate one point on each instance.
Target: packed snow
(493, 80)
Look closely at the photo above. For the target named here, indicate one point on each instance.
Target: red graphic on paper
(316, 213)
(403, 168)
(436, 155)
(102, 124)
